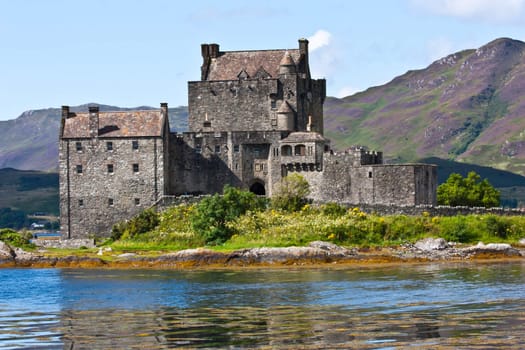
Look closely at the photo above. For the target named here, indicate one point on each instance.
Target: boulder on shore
(428, 244)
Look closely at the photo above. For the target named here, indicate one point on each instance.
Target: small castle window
(80, 202)
(79, 146)
(310, 150)
(286, 150)
(300, 150)
(217, 148)
(134, 144)
(273, 104)
(135, 168)
(273, 121)
(207, 124)
(79, 169)
(370, 174)
(137, 201)
(109, 146)
(276, 152)
(110, 202)
(236, 148)
(110, 168)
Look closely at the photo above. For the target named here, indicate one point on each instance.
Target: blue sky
(131, 53)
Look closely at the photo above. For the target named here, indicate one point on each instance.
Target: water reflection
(430, 306)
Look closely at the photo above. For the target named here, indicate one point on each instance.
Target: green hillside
(29, 191)
(467, 107)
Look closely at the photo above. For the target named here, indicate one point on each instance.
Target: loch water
(430, 306)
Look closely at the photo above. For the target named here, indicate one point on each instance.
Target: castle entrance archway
(258, 188)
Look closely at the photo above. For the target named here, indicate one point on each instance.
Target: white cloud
(491, 10)
(320, 39)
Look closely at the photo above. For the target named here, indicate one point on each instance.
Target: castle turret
(287, 64)
(285, 117)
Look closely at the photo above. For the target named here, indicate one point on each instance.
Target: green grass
(346, 227)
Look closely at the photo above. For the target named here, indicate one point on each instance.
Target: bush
(14, 238)
(470, 191)
(333, 209)
(290, 194)
(212, 214)
(140, 224)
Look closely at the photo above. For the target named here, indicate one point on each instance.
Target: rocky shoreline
(316, 253)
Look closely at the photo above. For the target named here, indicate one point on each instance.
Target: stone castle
(254, 117)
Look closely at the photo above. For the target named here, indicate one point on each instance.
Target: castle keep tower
(244, 105)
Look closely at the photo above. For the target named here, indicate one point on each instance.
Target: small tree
(290, 194)
(469, 191)
(213, 213)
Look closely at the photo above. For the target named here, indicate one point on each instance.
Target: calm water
(418, 307)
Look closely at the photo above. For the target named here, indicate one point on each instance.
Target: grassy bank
(174, 229)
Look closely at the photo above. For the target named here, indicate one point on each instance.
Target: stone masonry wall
(96, 198)
(243, 105)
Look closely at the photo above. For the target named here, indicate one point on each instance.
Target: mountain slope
(30, 142)
(467, 107)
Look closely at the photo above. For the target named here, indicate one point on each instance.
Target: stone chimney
(303, 50)
(93, 121)
(164, 109)
(65, 112)
(208, 51)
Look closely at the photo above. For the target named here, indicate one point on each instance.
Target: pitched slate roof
(230, 63)
(116, 124)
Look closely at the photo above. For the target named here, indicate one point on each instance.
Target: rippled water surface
(471, 306)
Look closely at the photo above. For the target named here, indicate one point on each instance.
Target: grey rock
(6, 253)
(429, 244)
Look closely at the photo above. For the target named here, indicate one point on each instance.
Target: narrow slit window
(110, 169)
(109, 146)
(135, 168)
(79, 169)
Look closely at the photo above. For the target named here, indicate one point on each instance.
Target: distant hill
(30, 142)
(467, 107)
(29, 191)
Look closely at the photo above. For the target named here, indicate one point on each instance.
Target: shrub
(333, 209)
(290, 194)
(470, 191)
(142, 223)
(14, 238)
(212, 214)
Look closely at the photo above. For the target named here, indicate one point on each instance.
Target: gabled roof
(116, 124)
(303, 136)
(228, 65)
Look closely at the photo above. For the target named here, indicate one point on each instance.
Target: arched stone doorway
(258, 189)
